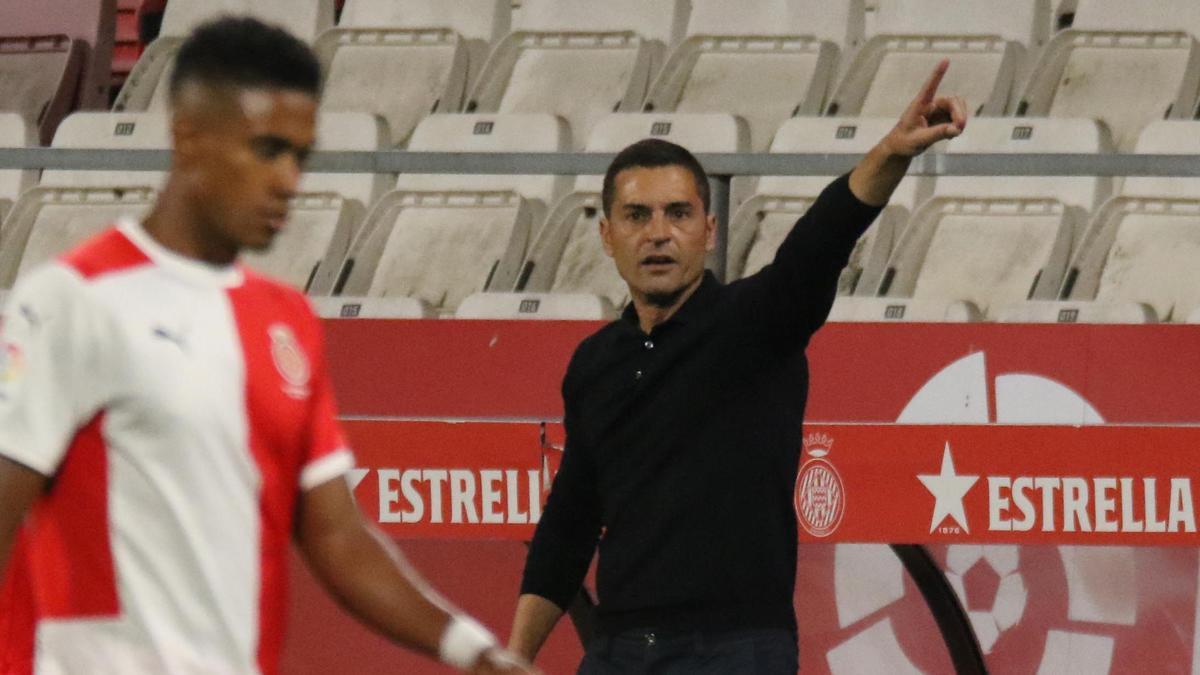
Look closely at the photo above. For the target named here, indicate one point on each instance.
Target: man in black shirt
(684, 419)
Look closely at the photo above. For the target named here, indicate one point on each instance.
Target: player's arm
(369, 576)
(929, 118)
(20, 486)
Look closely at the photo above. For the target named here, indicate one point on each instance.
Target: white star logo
(948, 489)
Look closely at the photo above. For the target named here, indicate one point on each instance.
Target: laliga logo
(820, 495)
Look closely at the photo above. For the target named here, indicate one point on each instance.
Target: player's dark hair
(652, 153)
(244, 52)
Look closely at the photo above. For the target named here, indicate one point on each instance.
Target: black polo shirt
(683, 445)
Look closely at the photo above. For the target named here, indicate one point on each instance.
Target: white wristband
(463, 641)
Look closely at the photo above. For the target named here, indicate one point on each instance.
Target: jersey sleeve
(51, 374)
(328, 455)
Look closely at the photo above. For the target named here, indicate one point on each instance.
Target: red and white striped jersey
(179, 408)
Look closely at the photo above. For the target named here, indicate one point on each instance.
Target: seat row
(428, 245)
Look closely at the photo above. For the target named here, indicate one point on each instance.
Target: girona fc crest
(290, 361)
(820, 494)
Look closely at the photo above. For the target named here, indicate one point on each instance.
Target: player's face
(250, 163)
(657, 232)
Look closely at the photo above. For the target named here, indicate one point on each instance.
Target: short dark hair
(652, 153)
(244, 52)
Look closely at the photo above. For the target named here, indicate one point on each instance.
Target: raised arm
(928, 119)
(369, 576)
(792, 296)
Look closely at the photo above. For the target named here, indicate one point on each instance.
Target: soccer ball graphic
(1034, 609)
(989, 585)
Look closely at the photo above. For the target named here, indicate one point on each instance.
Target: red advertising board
(1047, 468)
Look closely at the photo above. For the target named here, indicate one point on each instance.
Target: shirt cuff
(325, 469)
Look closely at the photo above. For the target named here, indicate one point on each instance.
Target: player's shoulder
(109, 252)
(280, 294)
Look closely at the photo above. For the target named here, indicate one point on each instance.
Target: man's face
(657, 232)
(243, 158)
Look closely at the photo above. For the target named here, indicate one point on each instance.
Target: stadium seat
(1124, 68)
(567, 256)
(1028, 135)
(1193, 318)
(437, 247)
(961, 258)
(145, 88)
(480, 23)
(1067, 311)
(347, 132)
(39, 79)
(320, 227)
(1165, 137)
(372, 308)
(532, 132)
(121, 131)
(578, 59)
(400, 74)
(764, 61)
(49, 220)
(128, 46)
(758, 226)
(90, 22)
(549, 306)
(449, 235)
(1141, 250)
(986, 43)
(14, 133)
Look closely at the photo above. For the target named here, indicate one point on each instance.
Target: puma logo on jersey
(176, 339)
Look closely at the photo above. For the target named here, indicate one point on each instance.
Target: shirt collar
(189, 269)
(701, 298)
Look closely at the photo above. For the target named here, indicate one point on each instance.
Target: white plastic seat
(15, 133)
(400, 74)
(436, 247)
(1194, 317)
(333, 307)
(1125, 68)
(1068, 311)
(348, 132)
(534, 132)
(1141, 250)
(120, 131)
(567, 256)
(547, 306)
(765, 61)
(319, 227)
(48, 221)
(146, 86)
(90, 22)
(1027, 22)
(758, 226)
(1165, 137)
(1030, 135)
(578, 59)
(480, 23)
(39, 78)
(446, 228)
(982, 253)
(986, 43)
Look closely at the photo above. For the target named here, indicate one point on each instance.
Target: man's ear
(710, 232)
(605, 234)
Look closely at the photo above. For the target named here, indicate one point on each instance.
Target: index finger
(931, 85)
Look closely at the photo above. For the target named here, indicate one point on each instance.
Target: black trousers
(741, 652)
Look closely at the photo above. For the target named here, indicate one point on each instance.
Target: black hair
(244, 52)
(652, 153)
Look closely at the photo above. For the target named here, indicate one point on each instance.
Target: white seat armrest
(357, 307)
(584, 306)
